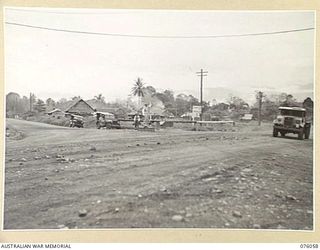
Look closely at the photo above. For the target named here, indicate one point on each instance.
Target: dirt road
(86, 178)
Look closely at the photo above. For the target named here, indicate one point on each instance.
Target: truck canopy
(292, 108)
(292, 111)
(107, 115)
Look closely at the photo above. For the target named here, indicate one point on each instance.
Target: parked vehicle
(142, 124)
(108, 124)
(106, 120)
(76, 121)
(292, 120)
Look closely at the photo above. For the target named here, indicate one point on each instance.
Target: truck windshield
(292, 112)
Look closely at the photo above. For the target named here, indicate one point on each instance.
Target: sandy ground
(63, 178)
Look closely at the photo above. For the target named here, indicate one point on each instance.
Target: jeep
(292, 120)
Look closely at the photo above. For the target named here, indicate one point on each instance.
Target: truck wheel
(282, 134)
(300, 134)
(306, 133)
(275, 132)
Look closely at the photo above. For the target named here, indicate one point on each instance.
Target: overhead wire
(157, 36)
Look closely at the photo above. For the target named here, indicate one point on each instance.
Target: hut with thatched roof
(77, 107)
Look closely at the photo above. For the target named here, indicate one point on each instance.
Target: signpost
(196, 111)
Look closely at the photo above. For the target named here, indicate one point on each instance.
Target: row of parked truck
(109, 121)
(290, 120)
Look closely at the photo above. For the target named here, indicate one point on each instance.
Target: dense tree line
(271, 103)
(16, 105)
(177, 105)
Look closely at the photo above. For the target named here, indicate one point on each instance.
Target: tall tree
(25, 103)
(62, 100)
(100, 98)
(269, 108)
(237, 103)
(15, 104)
(12, 102)
(167, 97)
(182, 104)
(50, 103)
(76, 98)
(151, 90)
(32, 100)
(287, 100)
(40, 106)
(137, 89)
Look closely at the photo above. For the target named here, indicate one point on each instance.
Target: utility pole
(259, 97)
(201, 74)
(30, 102)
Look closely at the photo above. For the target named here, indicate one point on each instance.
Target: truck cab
(292, 120)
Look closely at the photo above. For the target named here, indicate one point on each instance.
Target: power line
(151, 36)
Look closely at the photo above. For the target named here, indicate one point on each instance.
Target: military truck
(106, 120)
(76, 121)
(292, 120)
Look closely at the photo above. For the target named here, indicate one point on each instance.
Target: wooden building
(80, 107)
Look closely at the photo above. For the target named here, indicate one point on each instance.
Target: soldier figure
(98, 120)
(136, 121)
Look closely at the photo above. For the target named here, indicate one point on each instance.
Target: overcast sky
(58, 64)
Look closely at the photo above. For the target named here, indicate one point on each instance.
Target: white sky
(57, 64)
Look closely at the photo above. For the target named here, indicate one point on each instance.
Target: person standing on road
(136, 121)
(97, 119)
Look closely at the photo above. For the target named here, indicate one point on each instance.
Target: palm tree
(138, 89)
